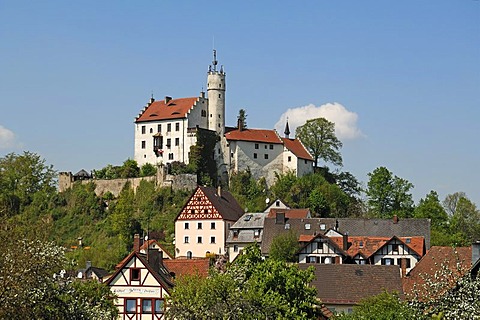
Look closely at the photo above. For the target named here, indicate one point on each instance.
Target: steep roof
(226, 205)
(367, 246)
(457, 260)
(352, 226)
(158, 271)
(350, 283)
(173, 109)
(192, 267)
(255, 135)
(297, 148)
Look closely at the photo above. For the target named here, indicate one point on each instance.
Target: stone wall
(115, 186)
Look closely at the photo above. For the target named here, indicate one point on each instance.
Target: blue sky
(402, 79)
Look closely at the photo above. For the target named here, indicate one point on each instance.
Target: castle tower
(216, 86)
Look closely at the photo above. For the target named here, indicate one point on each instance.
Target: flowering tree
(29, 289)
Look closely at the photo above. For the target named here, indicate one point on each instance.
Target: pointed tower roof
(287, 130)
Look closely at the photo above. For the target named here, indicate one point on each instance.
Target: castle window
(204, 113)
(212, 239)
(219, 116)
(177, 126)
(143, 144)
(271, 147)
(219, 95)
(231, 155)
(151, 130)
(254, 156)
(266, 147)
(256, 145)
(289, 159)
(199, 225)
(212, 225)
(187, 226)
(266, 156)
(305, 161)
(177, 141)
(169, 127)
(170, 156)
(159, 128)
(235, 248)
(199, 239)
(186, 239)
(143, 129)
(169, 143)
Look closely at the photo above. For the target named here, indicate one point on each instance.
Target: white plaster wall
(304, 167)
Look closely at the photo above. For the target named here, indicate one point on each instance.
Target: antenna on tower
(214, 62)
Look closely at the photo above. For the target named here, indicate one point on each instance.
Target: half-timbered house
(141, 284)
(202, 225)
(320, 249)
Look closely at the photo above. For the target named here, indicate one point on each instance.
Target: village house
(202, 225)
(141, 284)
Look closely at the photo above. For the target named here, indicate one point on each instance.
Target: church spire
(287, 130)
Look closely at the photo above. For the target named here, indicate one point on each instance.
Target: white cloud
(7, 138)
(345, 121)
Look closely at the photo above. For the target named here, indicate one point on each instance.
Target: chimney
(280, 218)
(202, 94)
(88, 265)
(345, 242)
(395, 219)
(155, 258)
(475, 251)
(167, 99)
(136, 242)
(219, 191)
(152, 100)
(403, 267)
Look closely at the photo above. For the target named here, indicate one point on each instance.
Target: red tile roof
(290, 213)
(306, 238)
(367, 246)
(182, 267)
(257, 135)
(457, 260)
(297, 148)
(174, 109)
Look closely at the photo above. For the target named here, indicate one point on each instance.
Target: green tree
(466, 220)
(242, 117)
(388, 194)
(249, 192)
(385, 306)
(21, 176)
(129, 169)
(148, 169)
(318, 136)
(30, 290)
(431, 208)
(285, 247)
(252, 288)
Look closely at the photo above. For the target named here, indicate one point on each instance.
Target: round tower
(216, 86)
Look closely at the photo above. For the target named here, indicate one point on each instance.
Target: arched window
(189, 254)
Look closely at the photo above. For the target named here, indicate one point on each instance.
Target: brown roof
(350, 283)
(193, 267)
(458, 261)
(297, 148)
(226, 205)
(174, 109)
(257, 135)
(290, 213)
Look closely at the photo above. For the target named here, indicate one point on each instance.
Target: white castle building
(165, 130)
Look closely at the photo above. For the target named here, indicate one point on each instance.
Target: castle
(166, 130)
